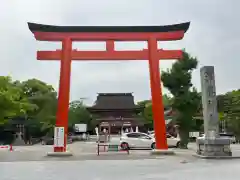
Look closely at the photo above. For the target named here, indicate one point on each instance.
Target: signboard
(80, 127)
(59, 136)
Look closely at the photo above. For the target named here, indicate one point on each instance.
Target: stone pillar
(209, 102)
(212, 145)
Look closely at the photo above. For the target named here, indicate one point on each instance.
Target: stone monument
(211, 145)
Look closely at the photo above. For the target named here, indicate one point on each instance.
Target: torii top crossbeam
(151, 34)
(99, 33)
(108, 34)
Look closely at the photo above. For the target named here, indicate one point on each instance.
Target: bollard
(11, 148)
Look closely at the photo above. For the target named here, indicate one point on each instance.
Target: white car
(150, 132)
(142, 140)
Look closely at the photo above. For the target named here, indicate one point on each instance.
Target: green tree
(44, 97)
(167, 100)
(186, 99)
(13, 102)
(232, 111)
(78, 114)
(147, 113)
(220, 102)
(220, 108)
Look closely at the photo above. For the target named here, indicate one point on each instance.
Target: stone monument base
(162, 152)
(59, 154)
(216, 157)
(213, 148)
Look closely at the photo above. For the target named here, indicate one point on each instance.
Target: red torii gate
(109, 34)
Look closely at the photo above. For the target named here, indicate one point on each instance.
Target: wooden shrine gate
(110, 34)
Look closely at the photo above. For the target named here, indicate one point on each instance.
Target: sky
(213, 38)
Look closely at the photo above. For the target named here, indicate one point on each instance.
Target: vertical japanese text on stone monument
(209, 101)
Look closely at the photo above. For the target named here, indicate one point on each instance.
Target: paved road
(80, 150)
(149, 169)
(87, 151)
(27, 163)
(91, 147)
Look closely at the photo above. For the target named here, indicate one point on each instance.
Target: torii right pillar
(161, 146)
(157, 104)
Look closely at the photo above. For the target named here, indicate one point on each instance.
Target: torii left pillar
(64, 91)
